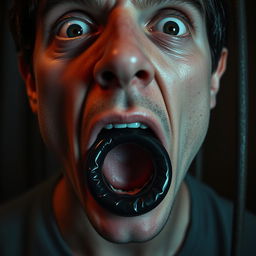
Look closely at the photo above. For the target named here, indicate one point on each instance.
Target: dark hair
(22, 21)
(23, 27)
(216, 24)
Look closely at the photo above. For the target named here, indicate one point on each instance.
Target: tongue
(128, 167)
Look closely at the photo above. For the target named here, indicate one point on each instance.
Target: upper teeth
(121, 126)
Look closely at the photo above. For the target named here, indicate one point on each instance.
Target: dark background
(25, 162)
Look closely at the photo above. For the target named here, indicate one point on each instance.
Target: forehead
(48, 5)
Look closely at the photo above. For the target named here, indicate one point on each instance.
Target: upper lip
(100, 121)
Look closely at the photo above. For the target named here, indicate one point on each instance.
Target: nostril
(108, 76)
(143, 75)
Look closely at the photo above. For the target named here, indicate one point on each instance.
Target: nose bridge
(121, 33)
(123, 57)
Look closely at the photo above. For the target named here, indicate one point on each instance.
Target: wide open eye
(72, 28)
(172, 26)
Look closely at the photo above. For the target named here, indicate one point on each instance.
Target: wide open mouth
(128, 168)
(128, 171)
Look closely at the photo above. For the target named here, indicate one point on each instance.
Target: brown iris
(171, 28)
(74, 30)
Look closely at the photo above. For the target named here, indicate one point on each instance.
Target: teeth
(108, 126)
(134, 125)
(143, 126)
(122, 126)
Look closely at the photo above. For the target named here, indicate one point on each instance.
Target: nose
(123, 63)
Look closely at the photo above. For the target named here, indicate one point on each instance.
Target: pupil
(171, 28)
(74, 30)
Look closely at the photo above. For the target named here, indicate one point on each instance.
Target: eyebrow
(143, 4)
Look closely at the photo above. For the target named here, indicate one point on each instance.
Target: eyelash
(175, 13)
(65, 18)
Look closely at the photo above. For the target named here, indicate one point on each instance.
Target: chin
(124, 230)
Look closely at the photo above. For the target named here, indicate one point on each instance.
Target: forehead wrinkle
(198, 4)
(50, 4)
(146, 3)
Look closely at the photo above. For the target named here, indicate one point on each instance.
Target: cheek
(49, 97)
(62, 83)
(195, 110)
(198, 107)
(58, 107)
(198, 93)
(186, 87)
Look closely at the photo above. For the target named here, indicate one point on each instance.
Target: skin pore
(121, 61)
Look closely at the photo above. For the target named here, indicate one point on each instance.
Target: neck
(84, 240)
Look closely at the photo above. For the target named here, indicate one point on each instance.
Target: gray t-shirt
(28, 226)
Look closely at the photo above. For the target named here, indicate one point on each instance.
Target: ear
(29, 80)
(216, 76)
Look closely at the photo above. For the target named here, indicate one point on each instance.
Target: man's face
(113, 62)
